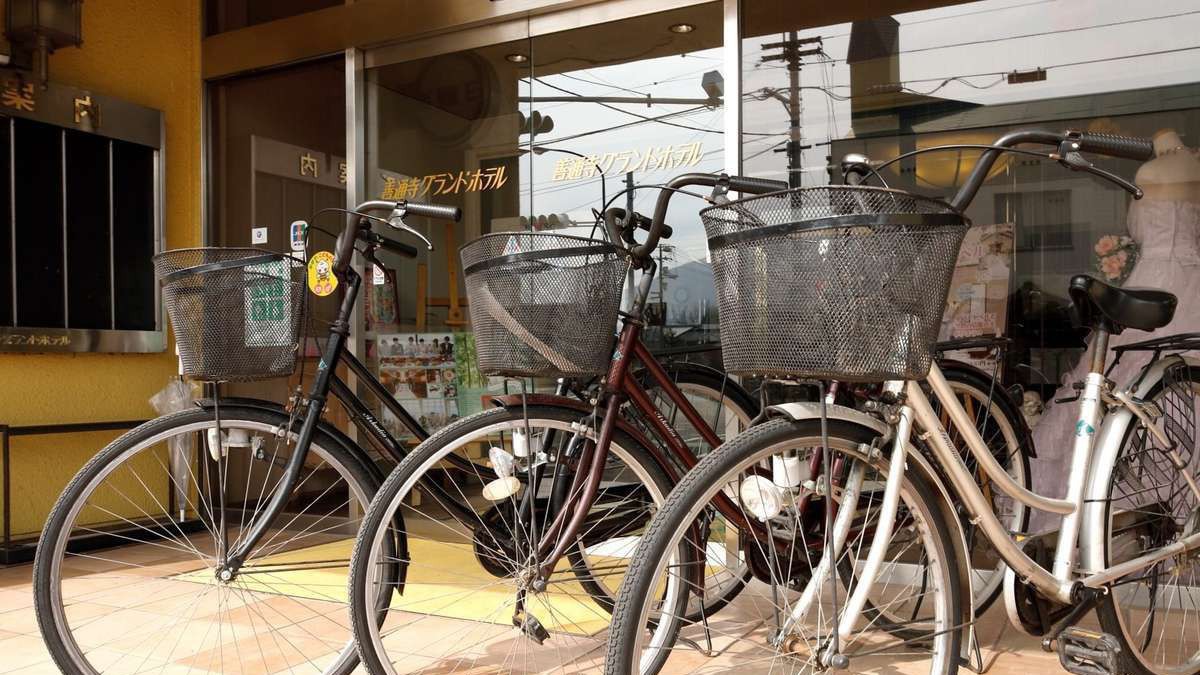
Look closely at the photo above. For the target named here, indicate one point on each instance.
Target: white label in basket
(268, 306)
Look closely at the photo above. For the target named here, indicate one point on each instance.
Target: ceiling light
(517, 58)
(681, 28)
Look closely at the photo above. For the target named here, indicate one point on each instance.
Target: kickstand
(696, 645)
(974, 660)
(705, 651)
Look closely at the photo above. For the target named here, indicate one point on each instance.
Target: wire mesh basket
(542, 304)
(236, 312)
(842, 282)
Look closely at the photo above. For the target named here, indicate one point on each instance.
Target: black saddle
(1115, 309)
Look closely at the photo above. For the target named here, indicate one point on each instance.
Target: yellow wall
(147, 53)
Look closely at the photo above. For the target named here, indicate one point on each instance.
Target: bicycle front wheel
(467, 597)
(762, 630)
(127, 577)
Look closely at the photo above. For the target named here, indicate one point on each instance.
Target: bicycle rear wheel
(1154, 612)
(126, 577)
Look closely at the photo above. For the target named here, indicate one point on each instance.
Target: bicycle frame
(327, 381)
(1082, 510)
(618, 388)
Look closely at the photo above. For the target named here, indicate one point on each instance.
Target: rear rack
(1180, 342)
(976, 342)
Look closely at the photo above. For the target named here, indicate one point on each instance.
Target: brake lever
(1075, 161)
(1129, 187)
(396, 221)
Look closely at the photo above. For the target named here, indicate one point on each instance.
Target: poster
(979, 289)
(434, 376)
(268, 305)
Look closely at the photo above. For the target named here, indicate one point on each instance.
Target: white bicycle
(863, 561)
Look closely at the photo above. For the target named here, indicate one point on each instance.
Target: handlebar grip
(643, 223)
(1128, 147)
(438, 211)
(397, 247)
(756, 186)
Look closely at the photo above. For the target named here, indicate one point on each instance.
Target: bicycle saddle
(1115, 309)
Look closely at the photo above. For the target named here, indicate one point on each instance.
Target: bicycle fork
(316, 405)
(846, 513)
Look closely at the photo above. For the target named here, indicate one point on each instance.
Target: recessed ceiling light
(681, 28)
(517, 58)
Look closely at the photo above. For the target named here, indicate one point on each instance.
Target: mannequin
(1174, 173)
(1166, 225)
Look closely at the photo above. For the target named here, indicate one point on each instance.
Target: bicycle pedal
(532, 628)
(1086, 652)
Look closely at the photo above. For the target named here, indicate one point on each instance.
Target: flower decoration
(1116, 254)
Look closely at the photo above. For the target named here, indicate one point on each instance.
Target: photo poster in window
(978, 299)
(433, 375)
(268, 305)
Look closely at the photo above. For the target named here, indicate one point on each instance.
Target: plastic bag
(173, 398)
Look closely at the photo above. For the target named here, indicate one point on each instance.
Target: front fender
(1092, 553)
(916, 456)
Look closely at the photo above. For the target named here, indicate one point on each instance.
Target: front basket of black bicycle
(543, 304)
(845, 283)
(236, 312)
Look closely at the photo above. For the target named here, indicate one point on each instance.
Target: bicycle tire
(412, 471)
(55, 629)
(1109, 610)
(696, 489)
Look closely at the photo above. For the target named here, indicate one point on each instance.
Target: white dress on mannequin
(1166, 225)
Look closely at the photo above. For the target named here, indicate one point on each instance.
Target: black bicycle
(226, 529)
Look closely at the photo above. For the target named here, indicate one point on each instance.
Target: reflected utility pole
(792, 54)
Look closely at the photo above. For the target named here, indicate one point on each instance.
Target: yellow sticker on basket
(321, 280)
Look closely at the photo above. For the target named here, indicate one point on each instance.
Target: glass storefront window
(635, 112)
(536, 134)
(446, 129)
(278, 156)
(887, 84)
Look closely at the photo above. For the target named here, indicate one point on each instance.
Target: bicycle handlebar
(1067, 142)
(737, 183)
(438, 211)
(360, 228)
(389, 244)
(1125, 147)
